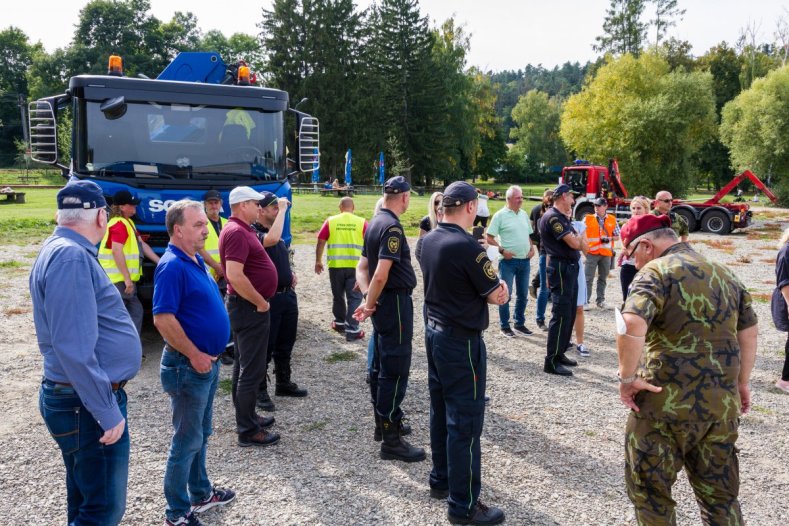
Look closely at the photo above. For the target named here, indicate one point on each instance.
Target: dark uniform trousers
(393, 322)
(343, 281)
(284, 313)
(250, 336)
(563, 282)
(655, 451)
(457, 372)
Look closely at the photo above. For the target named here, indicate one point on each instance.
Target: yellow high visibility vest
(131, 252)
(594, 236)
(212, 242)
(346, 237)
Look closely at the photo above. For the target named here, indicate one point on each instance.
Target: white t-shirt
(482, 206)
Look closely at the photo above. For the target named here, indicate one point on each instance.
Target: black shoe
(559, 369)
(395, 448)
(290, 389)
(564, 360)
(541, 325)
(354, 336)
(440, 494)
(481, 514)
(506, 331)
(264, 402)
(405, 429)
(265, 421)
(522, 330)
(259, 439)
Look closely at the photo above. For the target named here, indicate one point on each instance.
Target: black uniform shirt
(458, 277)
(385, 239)
(279, 256)
(535, 215)
(554, 225)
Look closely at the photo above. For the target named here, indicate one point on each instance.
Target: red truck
(589, 182)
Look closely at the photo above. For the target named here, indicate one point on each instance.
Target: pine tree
(624, 32)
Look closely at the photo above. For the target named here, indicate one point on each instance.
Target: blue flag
(316, 175)
(381, 171)
(348, 167)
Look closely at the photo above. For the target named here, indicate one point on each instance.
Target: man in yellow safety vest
(121, 250)
(601, 232)
(344, 235)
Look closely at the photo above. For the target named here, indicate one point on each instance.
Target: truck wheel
(582, 211)
(716, 222)
(689, 218)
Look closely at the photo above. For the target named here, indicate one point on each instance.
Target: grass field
(34, 219)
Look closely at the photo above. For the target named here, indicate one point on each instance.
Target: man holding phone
(509, 230)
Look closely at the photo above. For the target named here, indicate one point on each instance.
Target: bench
(346, 190)
(16, 197)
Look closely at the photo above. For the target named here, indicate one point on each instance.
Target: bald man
(662, 206)
(344, 235)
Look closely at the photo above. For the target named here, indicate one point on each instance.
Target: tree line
(383, 79)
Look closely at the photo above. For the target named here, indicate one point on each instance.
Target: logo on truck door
(157, 205)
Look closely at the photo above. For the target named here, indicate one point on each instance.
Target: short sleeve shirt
(238, 243)
(385, 239)
(184, 288)
(778, 304)
(458, 277)
(693, 308)
(554, 225)
(280, 256)
(512, 231)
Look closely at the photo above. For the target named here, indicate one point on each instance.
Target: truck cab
(166, 140)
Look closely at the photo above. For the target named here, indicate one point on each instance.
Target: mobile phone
(477, 232)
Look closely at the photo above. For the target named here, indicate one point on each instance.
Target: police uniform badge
(557, 227)
(489, 271)
(393, 243)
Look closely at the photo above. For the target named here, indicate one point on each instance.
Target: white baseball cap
(239, 194)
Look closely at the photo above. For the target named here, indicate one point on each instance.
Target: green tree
(489, 147)
(623, 29)
(15, 56)
(666, 15)
(239, 46)
(755, 127)
(537, 120)
(651, 119)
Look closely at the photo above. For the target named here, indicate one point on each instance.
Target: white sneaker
(583, 351)
(587, 306)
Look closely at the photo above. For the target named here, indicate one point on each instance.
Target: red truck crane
(589, 182)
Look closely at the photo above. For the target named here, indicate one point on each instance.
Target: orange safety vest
(593, 234)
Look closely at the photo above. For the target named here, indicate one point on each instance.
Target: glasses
(664, 200)
(436, 203)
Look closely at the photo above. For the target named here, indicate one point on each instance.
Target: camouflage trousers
(655, 451)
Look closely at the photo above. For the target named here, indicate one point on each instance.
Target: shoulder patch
(488, 268)
(395, 229)
(557, 227)
(480, 257)
(393, 244)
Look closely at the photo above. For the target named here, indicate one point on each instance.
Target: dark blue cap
(396, 185)
(212, 194)
(268, 199)
(559, 190)
(458, 193)
(125, 197)
(81, 194)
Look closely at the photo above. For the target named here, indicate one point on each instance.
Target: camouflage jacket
(693, 308)
(678, 223)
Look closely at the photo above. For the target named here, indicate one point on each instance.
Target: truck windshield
(181, 141)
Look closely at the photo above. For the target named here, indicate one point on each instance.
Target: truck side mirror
(309, 144)
(43, 132)
(114, 108)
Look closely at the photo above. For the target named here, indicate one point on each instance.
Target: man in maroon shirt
(251, 281)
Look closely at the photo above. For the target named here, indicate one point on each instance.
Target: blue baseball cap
(458, 193)
(81, 194)
(396, 185)
(268, 199)
(560, 189)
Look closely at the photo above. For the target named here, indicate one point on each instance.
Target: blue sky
(505, 34)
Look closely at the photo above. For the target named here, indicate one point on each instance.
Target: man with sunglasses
(251, 282)
(663, 203)
(693, 320)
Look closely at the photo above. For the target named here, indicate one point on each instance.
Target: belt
(236, 297)
(451, 330)
(398, 290)
(283, 290)
(557, 258)
(115, 385)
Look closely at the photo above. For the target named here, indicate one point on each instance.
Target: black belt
(242, 298)
(451, 330)
(398, 290)
(283, 290)
(115, 385)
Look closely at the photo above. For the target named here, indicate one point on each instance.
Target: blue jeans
(518, 270)
(191, 398)
(545, 292)
(96, 475)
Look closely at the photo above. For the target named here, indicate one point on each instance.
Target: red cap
(637, 226)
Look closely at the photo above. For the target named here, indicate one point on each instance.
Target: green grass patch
(590, 433)
(45, 176)
(344, 356)
(11, 264)
(316, 426)
(226, 386)
(762, 410)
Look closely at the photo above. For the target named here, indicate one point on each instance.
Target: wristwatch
(501, 250)
(364, 295)
(627, 379)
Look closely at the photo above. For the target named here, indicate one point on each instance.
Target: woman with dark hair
(779, 303)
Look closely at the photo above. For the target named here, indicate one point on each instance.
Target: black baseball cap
(560, 189)
(124, 197)
(81, 194)
(212, 194)
(268, 199)
(396, 185)
(600, 202)
(458, 193)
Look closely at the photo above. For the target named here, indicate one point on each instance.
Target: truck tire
(689, 217)
(716, 222)
(583, 210)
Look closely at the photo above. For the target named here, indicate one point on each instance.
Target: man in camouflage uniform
(694, 319)
(663, 203)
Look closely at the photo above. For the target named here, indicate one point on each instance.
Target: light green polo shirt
(512, 231)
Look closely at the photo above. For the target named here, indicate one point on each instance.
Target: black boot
(405, 429)
(556, 369)
(564, 360)
(264, 400)
(395, 448)
(284, 386)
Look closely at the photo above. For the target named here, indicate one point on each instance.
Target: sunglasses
(436, 203)
(664, 200)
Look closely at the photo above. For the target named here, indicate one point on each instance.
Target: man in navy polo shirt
(189, 313)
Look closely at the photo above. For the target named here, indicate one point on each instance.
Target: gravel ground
(552, 447)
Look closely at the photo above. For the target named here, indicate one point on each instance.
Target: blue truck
(200, 125)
